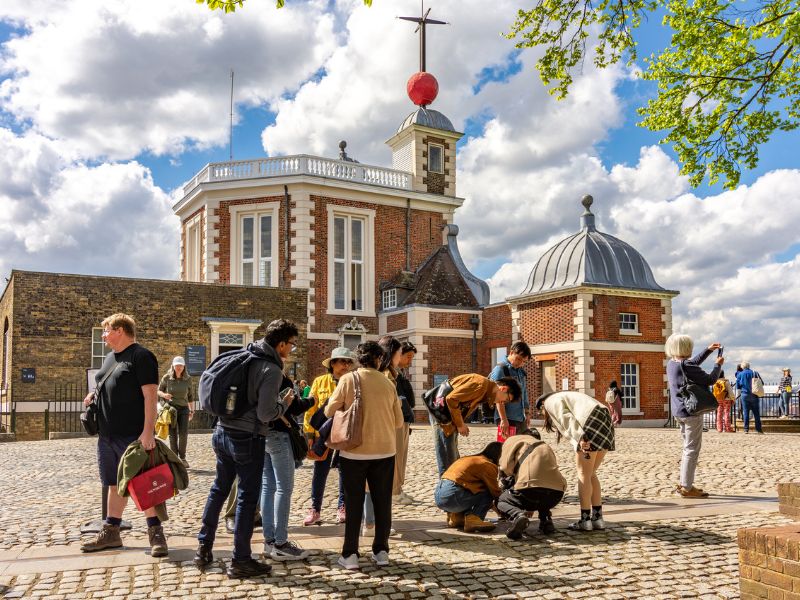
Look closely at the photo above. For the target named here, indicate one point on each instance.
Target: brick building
(52, 333)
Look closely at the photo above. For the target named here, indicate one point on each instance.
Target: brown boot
(107, 538)
(474, 524)
(158, 541)
(455, 520)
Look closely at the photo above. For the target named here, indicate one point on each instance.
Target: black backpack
(223, 388)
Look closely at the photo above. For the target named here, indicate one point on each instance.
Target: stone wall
(769, 562)
(789, 499)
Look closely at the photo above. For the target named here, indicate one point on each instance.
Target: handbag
(153, 486)
(346, 432)
(757, 385)
(435, 400)
(90, 417)
(297, 440)
(697, 399)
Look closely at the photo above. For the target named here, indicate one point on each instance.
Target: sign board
(565, 384)
(438, 379)
(195, 359)
(28, 375)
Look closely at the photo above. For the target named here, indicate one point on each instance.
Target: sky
(107, 108)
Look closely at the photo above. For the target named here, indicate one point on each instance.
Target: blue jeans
(276, 486)
(446, 447)
(318, 480)
(238, 453)
(783, 403)
(456, 499)
(751, 402)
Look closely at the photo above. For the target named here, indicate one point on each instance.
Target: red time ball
(422, 88)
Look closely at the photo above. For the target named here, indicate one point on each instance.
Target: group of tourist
(516, 476)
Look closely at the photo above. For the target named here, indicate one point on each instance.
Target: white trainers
(598, 523)
(350, 562)
(581, 525)
(403, 498)
(381, 558)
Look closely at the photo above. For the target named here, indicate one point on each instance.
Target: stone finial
(342, 153)
(587, 218)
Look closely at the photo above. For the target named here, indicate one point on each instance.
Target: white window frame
(98, 331)
(193, 250)
(222, 327)
(257, 210)
(498, 355)
(621, 317)
(389, 299)
(368, 260)
(628, 371)
(441, 165)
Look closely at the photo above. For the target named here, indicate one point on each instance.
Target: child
(724, 394)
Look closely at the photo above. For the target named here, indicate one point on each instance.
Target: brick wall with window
(548, 321)
(607, 367)
(606, 322)
(447, 356)
(495, 333)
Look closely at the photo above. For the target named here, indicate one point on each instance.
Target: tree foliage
(728, 80)
(229, 6)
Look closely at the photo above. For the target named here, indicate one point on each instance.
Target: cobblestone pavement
(656, 546)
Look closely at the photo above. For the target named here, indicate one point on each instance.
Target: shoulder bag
(346, 432)
(90, 417)
(435, 400)
(297, 440)
(697, 399)
(757, 385)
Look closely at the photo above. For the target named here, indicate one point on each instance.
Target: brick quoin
(605, 318)
(548, 321)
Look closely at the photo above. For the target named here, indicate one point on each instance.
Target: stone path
(657, 545)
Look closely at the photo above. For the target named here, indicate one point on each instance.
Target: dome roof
(427, 118)
(594, 258)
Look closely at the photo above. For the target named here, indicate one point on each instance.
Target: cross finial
(421, 23)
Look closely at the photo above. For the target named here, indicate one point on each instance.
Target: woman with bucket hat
(337, 364)
(175, 390)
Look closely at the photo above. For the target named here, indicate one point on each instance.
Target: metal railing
(300, 164)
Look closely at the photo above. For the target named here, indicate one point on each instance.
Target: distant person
(175, 390)
(586, 423)
(679, 350)
(785, 389)
(614, 402)
(406, 395)
(468, 488)
(513, 414)
(724, 394)
(750, 402)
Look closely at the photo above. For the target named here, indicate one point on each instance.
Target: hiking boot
(581, 525)
(108, 537)
(518, 526)
(288, 551)
(546, 526)
(230, 522)
(242, 569)
(474, 524)
(692, 492)
(341, 515)
(158, 541)
(455, 520)
(312, 518)
(203, 557)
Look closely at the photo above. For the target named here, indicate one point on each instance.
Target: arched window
(6, 356)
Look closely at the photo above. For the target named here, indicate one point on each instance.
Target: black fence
(8, 413)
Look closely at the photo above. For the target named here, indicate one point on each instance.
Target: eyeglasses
(107, 332)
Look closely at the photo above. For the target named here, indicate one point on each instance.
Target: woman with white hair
(679, 349)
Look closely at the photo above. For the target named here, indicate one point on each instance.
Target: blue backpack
(223, 388)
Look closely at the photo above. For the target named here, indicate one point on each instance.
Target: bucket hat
(341, 353)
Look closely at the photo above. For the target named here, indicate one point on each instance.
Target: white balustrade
(300, 164)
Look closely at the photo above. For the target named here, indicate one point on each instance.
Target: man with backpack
(514, 414)
(241, 388)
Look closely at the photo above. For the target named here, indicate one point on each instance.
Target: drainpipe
(474, 320)
(287, 260)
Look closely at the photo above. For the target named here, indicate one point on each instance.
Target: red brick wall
(565, 367)
(605, 318)
(397, 322)
(390, 244)
(496, 333)
(448, 320)
(548, 321)
(447, 356)
(222, 234)
(318, 350)
(651, 378)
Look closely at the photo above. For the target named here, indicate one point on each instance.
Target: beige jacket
(538, 470)
(381, 413)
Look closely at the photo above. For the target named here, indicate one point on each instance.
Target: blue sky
(106, 109)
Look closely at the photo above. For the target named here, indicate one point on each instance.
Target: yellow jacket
(321, 389)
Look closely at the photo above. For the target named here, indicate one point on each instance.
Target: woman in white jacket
(587, 424)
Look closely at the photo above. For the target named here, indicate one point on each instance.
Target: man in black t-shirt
(127, 384)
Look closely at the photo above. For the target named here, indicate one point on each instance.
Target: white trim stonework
(302, 245)
(368, 260)
(217, 327)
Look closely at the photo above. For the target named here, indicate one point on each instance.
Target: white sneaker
(598, 523)
(581, 525)
(350, 563)
(403, 498)
(381, 558)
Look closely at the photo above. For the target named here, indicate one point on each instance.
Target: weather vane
(421, 23)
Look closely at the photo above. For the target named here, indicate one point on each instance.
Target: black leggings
(513, 503)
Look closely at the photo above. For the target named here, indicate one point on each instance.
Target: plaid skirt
(599, 430)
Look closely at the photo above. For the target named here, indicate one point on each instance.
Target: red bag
(512, 430)
(152, 487)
